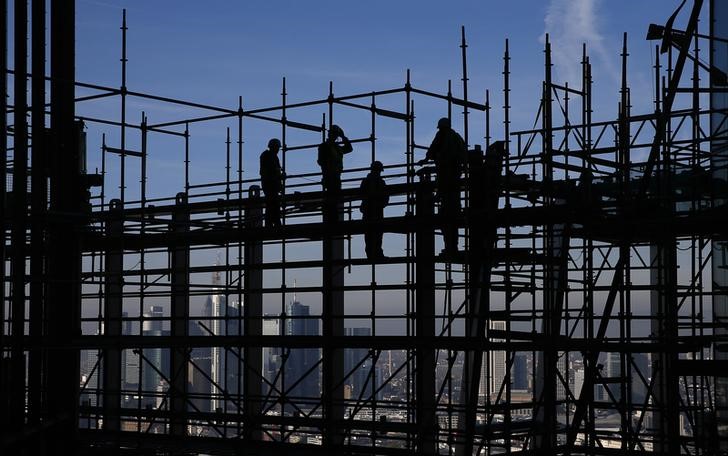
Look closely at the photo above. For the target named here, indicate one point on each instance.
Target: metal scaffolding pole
(425, 392)
(39, 206)
(719, 247)
(113, 294)
(332, 389)
(19, 218)
(4, 365)
(545, 389)
(663, 302)
(253, 311)
(62, 308)
(180, 316)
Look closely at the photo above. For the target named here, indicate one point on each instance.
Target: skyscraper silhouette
(298, 383)
(520, 371)
(155, 357)
(225, 364)
(354, 356)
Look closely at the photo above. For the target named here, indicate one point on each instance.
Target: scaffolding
(584, 314)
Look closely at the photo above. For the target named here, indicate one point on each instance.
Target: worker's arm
(263, 167)
(430, 155)
(321, 156)
(346, 145)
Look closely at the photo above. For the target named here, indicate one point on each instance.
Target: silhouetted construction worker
(331, 161)
(331, 158)
(449, 153)
(271, 179)
(373, 201)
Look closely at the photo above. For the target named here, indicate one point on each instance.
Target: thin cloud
(570, 23)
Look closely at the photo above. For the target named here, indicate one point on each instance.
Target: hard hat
(377, 166)
(336, 130)
(275, 142)
(443, 123)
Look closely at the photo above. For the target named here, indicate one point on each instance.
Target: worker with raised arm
(373, 201)
(331, 160)
(271, 179)
(448, 152)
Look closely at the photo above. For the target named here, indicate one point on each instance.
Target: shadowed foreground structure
(585, 312)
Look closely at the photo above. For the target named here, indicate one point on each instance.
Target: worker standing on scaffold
(449, 153)
(271, 179)
(373, 201)
(331, 160)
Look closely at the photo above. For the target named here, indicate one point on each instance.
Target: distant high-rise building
(152, 326)
(199, 370)
(613, 370)
(560, 386)
(298, 381)
(225, 362)
(639, 387)
(520, 372)
(613, 365)
(90, 374)
(231, 359)
(493, 370)
(578, 382)
(357, 360)
(271, 355)
(88, 361)
(129, 361)
(640, 368)
(215, 309)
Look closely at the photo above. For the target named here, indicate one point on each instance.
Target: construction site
(585, 311)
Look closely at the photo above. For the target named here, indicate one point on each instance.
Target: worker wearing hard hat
(449, 153)
(373, 201)
(271, 179)
(331, 160)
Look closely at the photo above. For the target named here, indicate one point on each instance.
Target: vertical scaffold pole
(425, 320)
(719, 248)
(546, 366)
(180, 314)
(507, 204)
(253, 310)
(19, 214)
(122, 132)
(113, 288)
(333, 320)
(464, 47)
(39, 202)
(333, 326)
(4, 390)
(63, 305)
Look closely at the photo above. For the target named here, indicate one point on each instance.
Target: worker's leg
(266, 199)
(369, 244)
(377, 236)
(332, 189)
(373, 243)
(274, 207)
(450, 211)
(272, 204)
